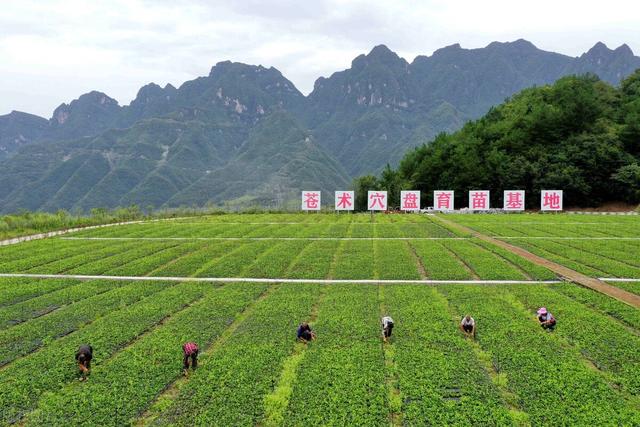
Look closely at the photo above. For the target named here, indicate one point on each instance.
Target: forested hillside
(581, 135)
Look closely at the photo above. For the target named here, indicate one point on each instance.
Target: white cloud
(51, 51)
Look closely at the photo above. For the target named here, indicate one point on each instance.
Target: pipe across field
(278, 280)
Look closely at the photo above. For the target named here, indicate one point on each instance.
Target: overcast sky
(53, 51)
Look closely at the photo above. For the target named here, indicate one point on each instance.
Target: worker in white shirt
(468, 326)
(387, 328)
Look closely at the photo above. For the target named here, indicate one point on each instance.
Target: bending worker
(83, 357)
(305, 333)
(387, 328)
(546, 319)
(189, 351)
(468, 326)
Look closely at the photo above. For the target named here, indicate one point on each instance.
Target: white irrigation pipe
(349, 238)
(601, 213)
(303, 223)
(267, 223)
(564, 238)
(561, 223)
(279, 280)
(266, 238)
(617, 279)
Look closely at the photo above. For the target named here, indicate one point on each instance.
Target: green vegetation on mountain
(579, 134)
(244, 135)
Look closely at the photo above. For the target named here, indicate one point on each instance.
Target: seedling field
(415, 268)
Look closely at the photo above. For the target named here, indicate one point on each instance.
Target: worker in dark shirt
(387, 328)
(83, 357)
(189, 351)
(468, 326)
(305, 333)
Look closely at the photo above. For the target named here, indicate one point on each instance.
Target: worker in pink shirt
(546, 319)
(190, 351)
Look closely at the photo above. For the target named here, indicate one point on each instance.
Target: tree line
(580, 135)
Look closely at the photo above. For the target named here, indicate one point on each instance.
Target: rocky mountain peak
(624, 50)
(89, 101)
(380, 54)
(598, 50)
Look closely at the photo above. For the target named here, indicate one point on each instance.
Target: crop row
(633, 287)
(13, 253)
(602, 303)
(187, 265)
(341, 380)
(349, 259)
(110, 263)
(439, 376)
(51, 301)
(532, 270)
(27, 379)
(297, 218)
(559, 258)
(111, 398)
(545, 218)
(55, 250)
(74, 256)
(26, 337)
(145, 265)
(484, 263)
(315, 261)
(235, 260)
(82, 257)
(590, 263)
(607, 343)
(275, 261)
(327, 230)
(231, 384)
(553, 384)
(552, 225)
(394, 260)
(16, 290)
(622, 251)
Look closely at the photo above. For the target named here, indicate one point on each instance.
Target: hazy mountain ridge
(200, 142)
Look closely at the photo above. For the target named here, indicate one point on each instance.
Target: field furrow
(111, 398)
(240, 373)
(440, 378)
(16, 290)
(48, 370)
(611, 347)
(49, 302)
(602, 303)
(26, 337)
(551, 379)
(485, 264)
(341, 380)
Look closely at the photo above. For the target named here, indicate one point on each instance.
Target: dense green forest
(580, 135)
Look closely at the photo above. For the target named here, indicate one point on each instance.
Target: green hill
(580, 134)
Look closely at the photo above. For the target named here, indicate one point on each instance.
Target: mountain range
(244, 135)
